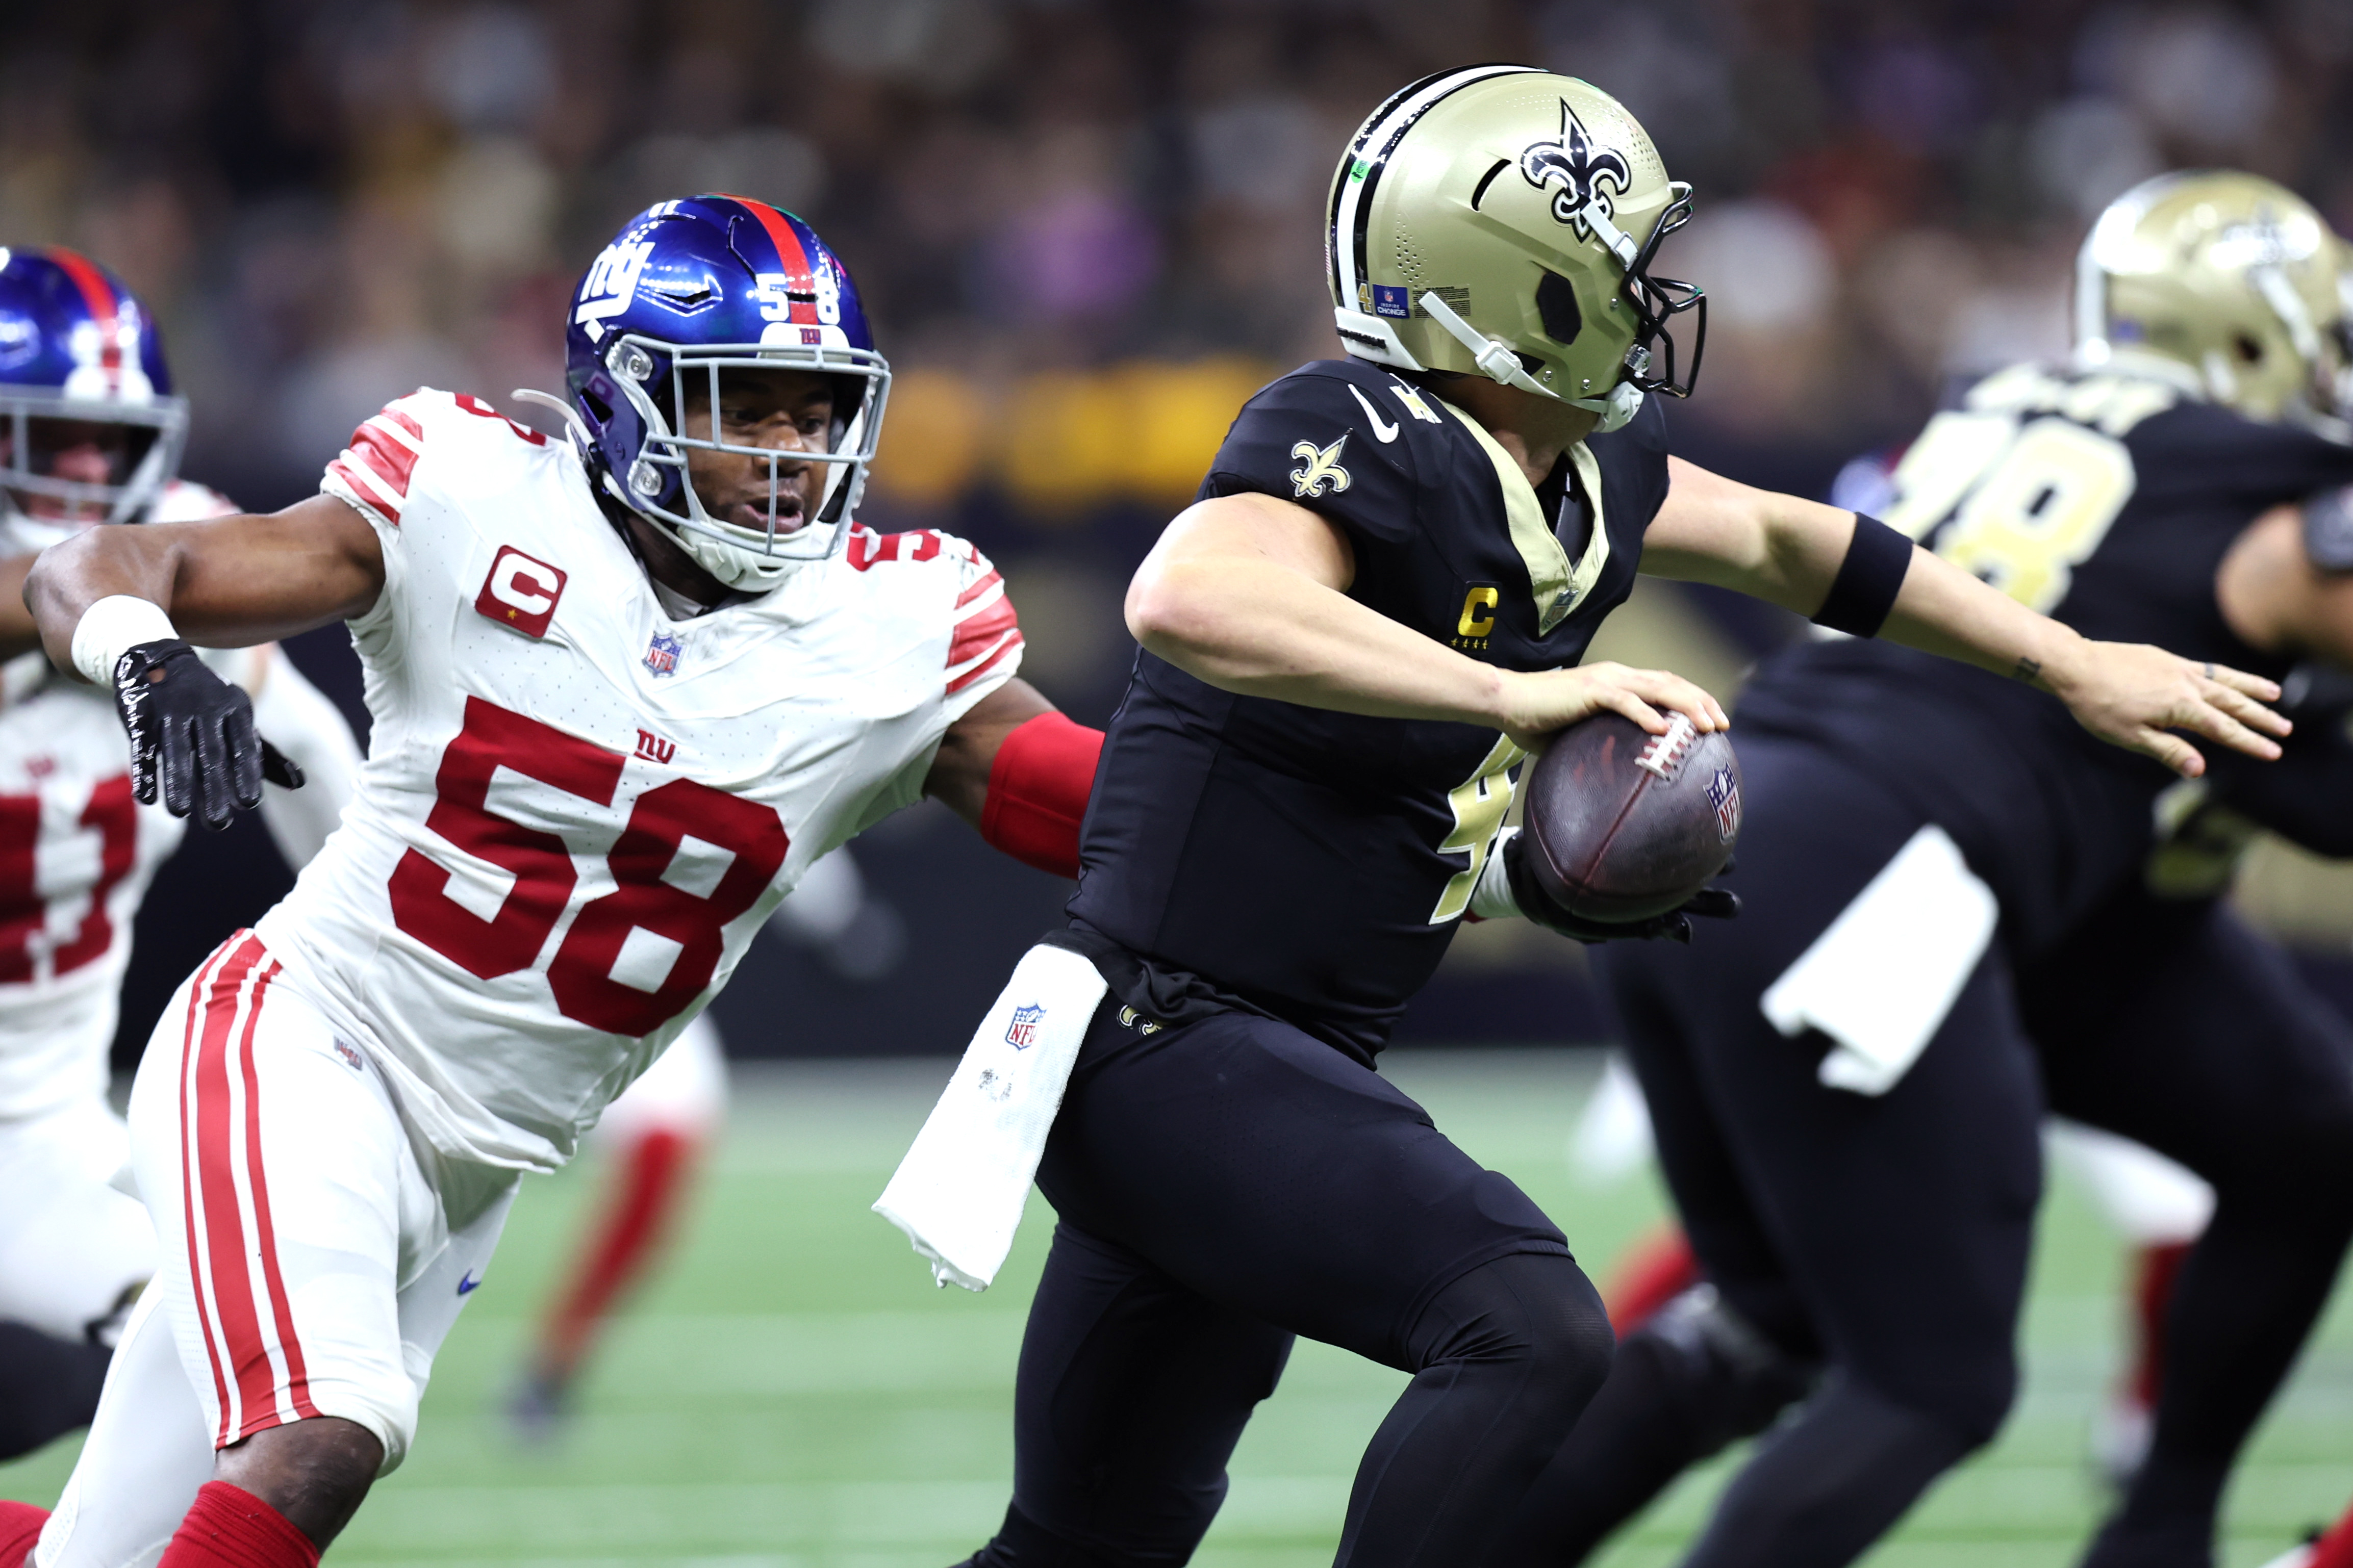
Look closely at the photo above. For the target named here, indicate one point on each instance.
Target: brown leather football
(1623, 825)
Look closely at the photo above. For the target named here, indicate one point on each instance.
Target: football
(1623, 825)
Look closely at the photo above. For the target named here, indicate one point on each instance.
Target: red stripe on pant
(224, 957)
(281, 1306)
(232, 1316)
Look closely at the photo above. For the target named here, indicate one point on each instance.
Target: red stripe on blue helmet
(105, 307)
(784, 233)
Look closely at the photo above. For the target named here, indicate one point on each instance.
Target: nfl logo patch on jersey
(1724, 794)
(1022, 1033)
(661, 653)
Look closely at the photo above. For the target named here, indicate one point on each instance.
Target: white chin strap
(737, 567)
(733, 566)
(1498, 362)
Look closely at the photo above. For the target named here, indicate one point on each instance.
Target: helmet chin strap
(731, 566)
(1498, 362)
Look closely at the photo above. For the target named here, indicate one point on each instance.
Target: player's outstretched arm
(1248, 593)
(2276, 597)
(120, 604)
(224, 581)
(1020, 772)
(1796, 554)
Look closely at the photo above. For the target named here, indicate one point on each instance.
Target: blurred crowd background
(1087, 230)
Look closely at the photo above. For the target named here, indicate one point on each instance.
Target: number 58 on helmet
(1501, 221)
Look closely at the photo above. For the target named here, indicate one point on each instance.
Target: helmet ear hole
(2250, 351)
(1557, 308)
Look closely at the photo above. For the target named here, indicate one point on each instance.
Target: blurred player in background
(1375, 608)
(90, 433)
(626, 687)
(2333, 1549)
(1965, 916)
(654, 1138)
(2158, 1208)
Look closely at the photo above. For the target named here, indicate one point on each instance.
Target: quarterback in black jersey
(1372, 614)
(1960, 915)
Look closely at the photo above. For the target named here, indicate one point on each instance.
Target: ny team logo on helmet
(2223, 282)
(1439, 259)
(76, 347)
(689, 290)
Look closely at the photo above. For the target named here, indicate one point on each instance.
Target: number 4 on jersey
(634, 957)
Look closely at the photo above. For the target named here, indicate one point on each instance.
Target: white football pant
(307, 1263)
(73, 1248)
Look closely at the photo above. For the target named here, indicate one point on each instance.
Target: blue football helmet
(77, 347)
(693, 287)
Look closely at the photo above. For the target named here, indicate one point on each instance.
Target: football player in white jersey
(625, 688)
(90, 433)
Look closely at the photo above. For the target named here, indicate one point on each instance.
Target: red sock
(20, 1527)
(632, 1224)
(2334, 1549)
(231, 1527)
(1656, 1269)
(2160, 1266)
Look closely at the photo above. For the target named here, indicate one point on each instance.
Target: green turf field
(794, 1391)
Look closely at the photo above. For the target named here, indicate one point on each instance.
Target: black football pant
(1887, 1237)
(1229, 1184)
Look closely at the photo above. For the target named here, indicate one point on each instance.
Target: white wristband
(113, 627)
(1491, 894)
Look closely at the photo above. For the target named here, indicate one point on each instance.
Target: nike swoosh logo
(468, 1283)
(1386, 433)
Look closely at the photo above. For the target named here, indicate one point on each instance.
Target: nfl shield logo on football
(1724, 794)
(661, 655)
(1022, 1033)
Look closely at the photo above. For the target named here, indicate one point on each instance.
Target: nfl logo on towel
(661, 656)
(1022, 1033)
(1724, 794)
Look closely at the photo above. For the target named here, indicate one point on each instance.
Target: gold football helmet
(1501, 221)
(2220, 280)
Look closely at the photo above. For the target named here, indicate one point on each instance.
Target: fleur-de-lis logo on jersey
(1580, 165)
(1322, 472)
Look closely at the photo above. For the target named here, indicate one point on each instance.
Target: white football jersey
(76, 853)
(576, 810)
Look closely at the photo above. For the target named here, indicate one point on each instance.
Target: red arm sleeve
(1037, 789)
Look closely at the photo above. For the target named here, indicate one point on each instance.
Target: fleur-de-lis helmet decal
(1500, 220)
(1580, 165)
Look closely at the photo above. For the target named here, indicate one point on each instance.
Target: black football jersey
(2108, 501)
(1313, 865)
(2205, 826)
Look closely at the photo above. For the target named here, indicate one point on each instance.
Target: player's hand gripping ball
(1625, 830)
(192, 733)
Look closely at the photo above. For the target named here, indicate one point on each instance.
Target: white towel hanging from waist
(1881, 978)
(959, 1192)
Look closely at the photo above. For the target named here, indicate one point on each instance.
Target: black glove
(193, 730)
(1709, 903)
